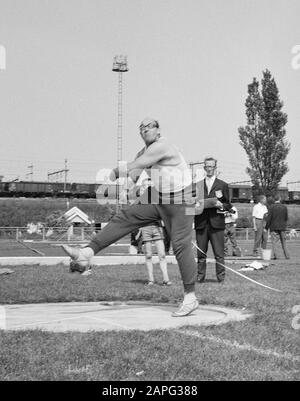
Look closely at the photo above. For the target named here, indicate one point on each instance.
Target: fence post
(2, 318)
(17, 234)
(82, 233)
(43, 231)
(247, 234)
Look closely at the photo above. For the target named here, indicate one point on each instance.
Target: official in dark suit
(210, 224)
(276, 223)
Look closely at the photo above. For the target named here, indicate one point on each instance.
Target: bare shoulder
(160, 146)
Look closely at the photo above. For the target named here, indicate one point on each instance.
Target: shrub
(19, 212)
(243, 222)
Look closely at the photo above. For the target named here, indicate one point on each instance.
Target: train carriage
(243, 193)
(240, 193)
(294, 197)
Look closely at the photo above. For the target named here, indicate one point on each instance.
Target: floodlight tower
(120, 66)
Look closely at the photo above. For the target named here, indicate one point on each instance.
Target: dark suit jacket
(277, 217)
(210, 215)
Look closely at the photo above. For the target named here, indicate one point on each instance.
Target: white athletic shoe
(79, 262)
(186, 309)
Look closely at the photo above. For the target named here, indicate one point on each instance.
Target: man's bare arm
(153, 154)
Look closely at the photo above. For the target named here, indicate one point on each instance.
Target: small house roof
(75, 215)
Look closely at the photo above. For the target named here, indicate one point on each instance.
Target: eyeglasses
(149, 126)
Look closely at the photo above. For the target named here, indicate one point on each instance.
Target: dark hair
(208, 159)
(277, 197)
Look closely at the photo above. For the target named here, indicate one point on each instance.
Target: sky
(190, 63)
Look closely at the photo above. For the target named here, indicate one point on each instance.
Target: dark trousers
(167, 240)
(136, 242)
(276, 236)
(216, 238)
(178, 225)
(229, 235)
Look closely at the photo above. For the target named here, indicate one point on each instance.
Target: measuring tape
(239, 274)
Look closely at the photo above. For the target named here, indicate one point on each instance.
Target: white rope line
(32, 249)
(239, 274)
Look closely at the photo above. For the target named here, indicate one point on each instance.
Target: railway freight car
(294, 197)
(109, 192)
(28, 189)
(34, 189)
(247, 193)
(81, 190)
(240, 193)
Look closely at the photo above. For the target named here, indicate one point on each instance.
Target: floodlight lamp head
(120, 64)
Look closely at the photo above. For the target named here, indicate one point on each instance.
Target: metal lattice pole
(120, 116)
(119, 134)
(120, 66)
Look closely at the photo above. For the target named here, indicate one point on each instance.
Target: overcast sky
(190, 62)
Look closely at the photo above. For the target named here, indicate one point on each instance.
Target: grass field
(264, 347)
(13, 248)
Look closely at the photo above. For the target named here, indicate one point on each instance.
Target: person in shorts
(154, 234)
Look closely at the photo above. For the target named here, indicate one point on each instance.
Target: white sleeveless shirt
(171, 178)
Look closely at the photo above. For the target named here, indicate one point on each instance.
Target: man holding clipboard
(210, 224)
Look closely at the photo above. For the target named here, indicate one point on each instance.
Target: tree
(264, 136)
(56, 219)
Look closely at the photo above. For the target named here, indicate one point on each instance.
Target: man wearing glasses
(210, 224)
(167, 201)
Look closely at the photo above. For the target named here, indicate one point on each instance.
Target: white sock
(189, 298)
